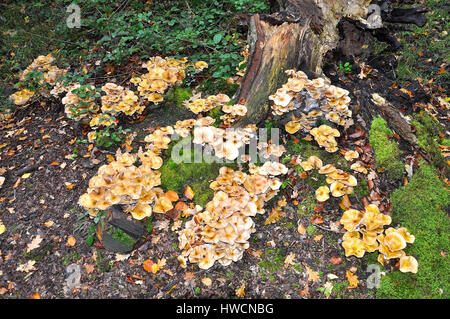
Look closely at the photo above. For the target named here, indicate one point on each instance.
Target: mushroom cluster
(102, 119)
(325, 137)
(78, 103)
(366, 233)
(43, 64)
(50, 73)
(160, 139)
(184, 128)
(199, 105)
(232, 113)
(245, 53)
(221, 232)
(21, 97)
(162, 74)
(120, 99)
(226, 143)
(313, 96)
(270, 150)
(121, 182)
(340, 182)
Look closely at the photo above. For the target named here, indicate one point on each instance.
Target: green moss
(178, 95)
(148, 223)
(121, 236)
(420, 207)
(272, 261)
(311, 230)
(176, 176)
(386, 150)
(362, 189)
(216, 113)
(427, 130)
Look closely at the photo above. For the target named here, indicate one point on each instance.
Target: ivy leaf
(217, 38)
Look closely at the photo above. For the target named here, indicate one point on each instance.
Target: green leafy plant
(347, 67)
(110, 135)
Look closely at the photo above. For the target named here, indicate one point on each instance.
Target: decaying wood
(298, 36)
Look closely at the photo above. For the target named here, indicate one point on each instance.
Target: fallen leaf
(34, 243)
(335, 260)
(305, 291)
(316, 219)
(122, 257)
(318, 237)
(2, 227)
(71, 241)
(301, 229)
(289, 260)
(35, 296)
(49, 223)
(189, 193)
(27, 267)
(89, 268)
(26, 175)
(352, 279)
(189, 275)
(240, 292)
(70, 185)
(312, 275)
(207, 281)
(345, 203)
(172, 195)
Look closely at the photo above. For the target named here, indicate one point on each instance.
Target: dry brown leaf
(289, 260)
(301, 229)
(89, 268)
(318, 237)
(352, 279)
(34, 243)
(312, 275)
(240, 292)
(207, 281)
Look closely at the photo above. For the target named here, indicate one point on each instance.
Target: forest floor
(47, 166)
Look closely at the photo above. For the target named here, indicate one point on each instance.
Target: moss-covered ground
(421, 207)
(386, 150)
(179, 172)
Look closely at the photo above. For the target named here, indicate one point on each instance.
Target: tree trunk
(297, 36)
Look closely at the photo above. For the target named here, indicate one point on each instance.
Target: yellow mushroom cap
(394, 241)
(337, 189)
(162, 205)
(315, 161)
(354, 246)
(408, 264)
(351, 234)
(322, 193)
(292, 127)
(404, 232)
(374, 220)
(140, 211)
(384, 249)
(349, 155)
(327, 169)
(350, 219)
(358, 167)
